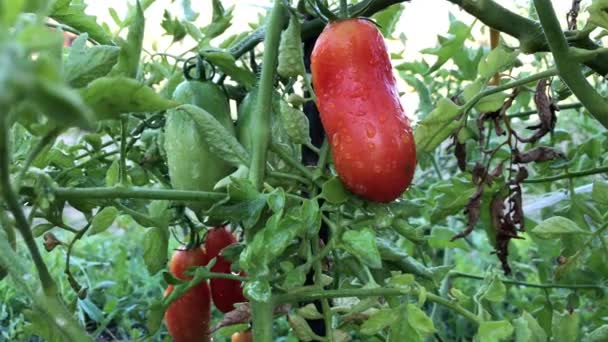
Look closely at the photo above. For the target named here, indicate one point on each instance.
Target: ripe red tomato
(225, 292)
(371, 139)
(182, 260)
(243, 336)
(188, 317)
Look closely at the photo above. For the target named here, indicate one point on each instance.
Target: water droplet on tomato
(370, 130)
(359, 165)
(371, 146)
(377, 169)
(335, 141)
(347, 156)
(382, 118)
(405, 138)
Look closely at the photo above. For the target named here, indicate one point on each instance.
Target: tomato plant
(351, 177)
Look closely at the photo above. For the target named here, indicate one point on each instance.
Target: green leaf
(40, 229)
(111, 96)
(173, 27)
(388, 18)
(333, 191)
(223, 144)
(555, 227)
(389, 251)
(309, 311)
(378, 321)
(225, 62)
(437, 126)
(62, 104)
(491, 331)
(362, 244)
(294, 278)
(103, 220)
(419, 320)
(565, 327)
(160, 211)
(301, 328)
(598, 335)
(450, 45)
(112, 174)
(425, 101)
(527, 329)
(295, 123)
(258, 290)
(85, 64)
(488, 103)
(494, 291)
(441, 238)
(130, 50)
(72, 13)
(220, 21)
(155, 244)
(600, 192)
(498, 60)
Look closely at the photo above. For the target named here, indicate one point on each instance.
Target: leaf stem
(568, 175)
(569, 70)
(48, 285)
(294, 163)
(124, 120)
(261, 114)
(456, 274)
(137, 192)
(534, 111)
(313, 294)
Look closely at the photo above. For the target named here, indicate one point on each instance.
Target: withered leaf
(538, 154)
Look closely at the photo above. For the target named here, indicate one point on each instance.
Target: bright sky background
(421, 22)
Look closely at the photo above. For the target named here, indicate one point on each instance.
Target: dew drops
(370, 130)
(335, 141)
(377, 169)
(349, 139)
(348, 156)
(405, 138)
(382, 118)
(371, 146)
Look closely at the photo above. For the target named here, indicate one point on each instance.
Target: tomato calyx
(324, 13)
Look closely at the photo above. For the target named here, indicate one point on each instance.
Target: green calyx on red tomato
(371, 139)
(192, 166)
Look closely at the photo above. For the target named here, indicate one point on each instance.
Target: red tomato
(371, 139)
(243, 336)
(182, 260)
(225, 292)
(188, 317)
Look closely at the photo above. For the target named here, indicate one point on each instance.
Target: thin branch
(455, 274)
(569, 175)
(137, 192)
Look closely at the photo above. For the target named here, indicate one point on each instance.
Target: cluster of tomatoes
(188, 317)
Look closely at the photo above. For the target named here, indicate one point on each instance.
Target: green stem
(261, 114)
(289, 176)
(343, 9)
(318, 277)
(534, 111)
(514, 84)
(568, 175)
(583, 55)
(289, 160)
(455, 274)
(570, 71)
(47, 139)
(517, 83)
(140, 217)
(314, 294)
(323, 155)
(138, 192)
(262, 317)
(124, 120)
(262, 312)
(309, 28)
(48, 285)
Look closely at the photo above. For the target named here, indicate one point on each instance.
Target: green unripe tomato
(192, 166)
